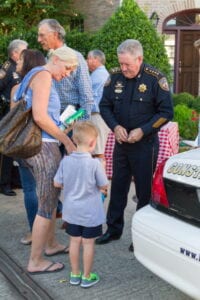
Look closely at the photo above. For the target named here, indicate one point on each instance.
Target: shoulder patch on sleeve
(6, 65)
(163, 84)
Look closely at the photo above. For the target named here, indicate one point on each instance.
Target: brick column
(197, 46)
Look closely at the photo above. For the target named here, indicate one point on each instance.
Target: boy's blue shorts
(85, 232)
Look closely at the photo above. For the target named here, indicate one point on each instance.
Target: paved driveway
(122, 277)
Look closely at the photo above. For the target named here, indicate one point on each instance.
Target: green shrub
(187, 99)
(196, 104)
(187, 120)
(130, 22)
(19, 19)
(183, 98)
(20, 15)
(80, 41)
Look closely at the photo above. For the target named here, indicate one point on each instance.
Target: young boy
(82, 179)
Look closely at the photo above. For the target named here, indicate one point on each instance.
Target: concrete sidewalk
(122, 277)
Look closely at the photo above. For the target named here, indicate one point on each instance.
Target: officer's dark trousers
(136, 160)
(6, 165)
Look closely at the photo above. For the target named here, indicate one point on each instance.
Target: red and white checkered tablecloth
(109, 152)
(168, 142)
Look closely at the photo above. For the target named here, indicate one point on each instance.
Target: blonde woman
(43, 98)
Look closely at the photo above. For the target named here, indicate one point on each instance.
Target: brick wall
(165, 8)
(96, 12)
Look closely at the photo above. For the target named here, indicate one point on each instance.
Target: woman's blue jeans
(30, 195)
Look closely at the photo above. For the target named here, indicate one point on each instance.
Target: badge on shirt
(119, 87)
(163, 84)
(142, 88)
(15, 75)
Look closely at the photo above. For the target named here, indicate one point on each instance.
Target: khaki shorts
(103, 133)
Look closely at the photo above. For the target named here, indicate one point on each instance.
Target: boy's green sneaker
(89, 281)
(75, 279)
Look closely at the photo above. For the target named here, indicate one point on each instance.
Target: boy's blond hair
(84, 132)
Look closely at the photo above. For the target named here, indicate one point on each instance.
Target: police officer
(136, 102)
(8, 78)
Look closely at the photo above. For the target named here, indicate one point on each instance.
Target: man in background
(99, 75)
(75, 89)
(8, 78)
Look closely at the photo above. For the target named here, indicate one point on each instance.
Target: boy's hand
(57, 185)
(104, 191)
(69, 128)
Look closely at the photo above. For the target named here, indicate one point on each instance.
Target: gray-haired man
(8, 78)
(75, 89)
(135, 104)
(99, 75)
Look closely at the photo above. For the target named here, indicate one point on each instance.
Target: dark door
(188, 78)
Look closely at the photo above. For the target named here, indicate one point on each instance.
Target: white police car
(166, 233)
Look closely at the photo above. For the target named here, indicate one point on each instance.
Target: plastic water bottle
(69, 110)
(70, 115)
(77, 115)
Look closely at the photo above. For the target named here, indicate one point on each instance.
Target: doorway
(188, 69)
(184, 29)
